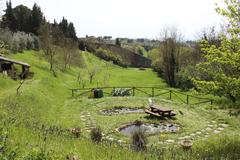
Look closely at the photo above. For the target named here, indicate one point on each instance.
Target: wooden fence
(147, 91)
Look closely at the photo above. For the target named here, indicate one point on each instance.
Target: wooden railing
(147, 91)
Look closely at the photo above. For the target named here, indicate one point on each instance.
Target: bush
(183, 78)
(19, 41)
(121, 92)
(110, 56)
(139, 140)
(96, 134)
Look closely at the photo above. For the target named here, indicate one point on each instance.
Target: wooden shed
(6, 67)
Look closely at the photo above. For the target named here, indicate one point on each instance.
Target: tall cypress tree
(71, 31)
(63, 25)
(36, 19)
(9, 19)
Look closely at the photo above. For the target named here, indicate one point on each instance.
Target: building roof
(13, 61)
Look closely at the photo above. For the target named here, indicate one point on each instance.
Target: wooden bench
(160, 111)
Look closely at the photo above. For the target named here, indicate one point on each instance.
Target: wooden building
(7, 67)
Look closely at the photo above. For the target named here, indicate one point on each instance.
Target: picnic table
(160, 111)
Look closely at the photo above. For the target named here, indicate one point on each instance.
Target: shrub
(139, 140)
(19, 41)
(96, 134)
(121, 92)
(183, 78)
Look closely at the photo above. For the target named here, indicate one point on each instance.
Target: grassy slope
(45, 100)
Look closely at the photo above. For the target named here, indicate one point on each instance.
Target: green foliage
(221, 68)
(110, 56)
(6, 152)
(21, 18)
(96, 134)
(139, 140)
(121, 92)
(183, 78)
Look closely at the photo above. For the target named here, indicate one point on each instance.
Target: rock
(187, 137)
(216, 131)
(170, 141)
(181, 138)
(210, 125)
(223, 125)
(110, 139)
(160, 142)
(213, 121)
(208, 129)
(120, 141)
(192, 134)
(198, 133)
(220, 129)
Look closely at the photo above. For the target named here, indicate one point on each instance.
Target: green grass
(40, 116)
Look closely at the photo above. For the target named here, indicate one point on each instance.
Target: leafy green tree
(9, 20)
(50, 42)
(22, 17)
(220, 72)
(36, 19)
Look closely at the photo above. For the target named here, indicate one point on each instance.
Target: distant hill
(118, 55)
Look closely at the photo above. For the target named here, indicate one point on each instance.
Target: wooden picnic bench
(160, 111)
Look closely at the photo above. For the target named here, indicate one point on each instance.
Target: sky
(131, 18)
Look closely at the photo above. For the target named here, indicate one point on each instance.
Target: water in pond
(148, 128)
(121, 110)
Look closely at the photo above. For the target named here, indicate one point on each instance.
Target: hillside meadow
(35, 123)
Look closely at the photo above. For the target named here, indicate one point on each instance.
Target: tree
(50, 41)
(221, 68)
(22, 17)
(71, 31)
(69, 50)
(91, 73)
(9, 20)
(118, 42)
(169, 52)
(36, 19)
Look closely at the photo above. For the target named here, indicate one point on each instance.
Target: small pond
(121, 110)
(148, 128)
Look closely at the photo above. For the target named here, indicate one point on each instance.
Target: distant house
(7, 67)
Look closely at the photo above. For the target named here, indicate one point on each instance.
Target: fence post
(133, 94)
(187, 99)
(170, 94)
(152, 91)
